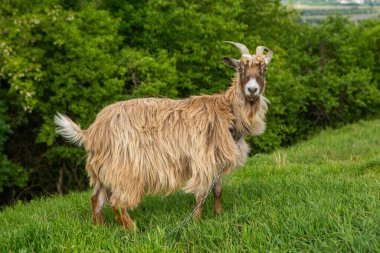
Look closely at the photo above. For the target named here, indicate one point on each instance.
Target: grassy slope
(322, 195)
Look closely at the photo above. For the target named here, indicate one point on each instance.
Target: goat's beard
(252, 99)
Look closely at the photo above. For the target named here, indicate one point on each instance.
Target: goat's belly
(193, 173)
(157, 171)
(163, 169)
(164, 176)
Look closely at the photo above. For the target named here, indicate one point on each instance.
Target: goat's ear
(231, 62)
(268, 57)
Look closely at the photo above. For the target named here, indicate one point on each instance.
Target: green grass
(322, 195)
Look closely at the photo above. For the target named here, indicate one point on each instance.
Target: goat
(150, 145)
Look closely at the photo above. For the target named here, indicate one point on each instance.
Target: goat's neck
(249, 117)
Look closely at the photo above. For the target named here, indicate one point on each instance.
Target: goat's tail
(68, 129)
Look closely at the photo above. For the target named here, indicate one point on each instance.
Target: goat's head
(251, 70)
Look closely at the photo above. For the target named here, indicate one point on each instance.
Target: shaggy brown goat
(151, 145)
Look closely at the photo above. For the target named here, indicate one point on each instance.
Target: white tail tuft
(68, 129)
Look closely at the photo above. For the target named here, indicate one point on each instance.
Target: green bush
(76, 57)
(12, 176)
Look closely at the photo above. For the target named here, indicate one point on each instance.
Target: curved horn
(243, 49)
(260, 50)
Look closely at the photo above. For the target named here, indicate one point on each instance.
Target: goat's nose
(252, 90)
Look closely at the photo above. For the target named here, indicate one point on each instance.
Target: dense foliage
(78, 56)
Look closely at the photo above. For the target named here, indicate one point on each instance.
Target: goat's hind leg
(98, 199)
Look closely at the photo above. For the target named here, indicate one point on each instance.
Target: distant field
(322, 195)
(328, 7)
(317, 13)
(356, 17)
(363, 16)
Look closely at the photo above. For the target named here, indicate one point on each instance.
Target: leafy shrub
(78, 56)
(11, 175)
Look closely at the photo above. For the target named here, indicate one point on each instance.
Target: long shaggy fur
(159, 145)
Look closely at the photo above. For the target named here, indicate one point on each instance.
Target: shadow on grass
(169, 211)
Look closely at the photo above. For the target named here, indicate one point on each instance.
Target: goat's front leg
(122, 216)
(198, 212)
(218, 197)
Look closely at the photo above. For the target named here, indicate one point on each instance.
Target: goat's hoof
(197, 216)
(98, 220)
(218, 211)
(131, 226)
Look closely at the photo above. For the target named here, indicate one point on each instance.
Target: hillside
(321, 195)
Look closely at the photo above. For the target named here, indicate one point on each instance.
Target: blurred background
(77, 56)
(315, 11)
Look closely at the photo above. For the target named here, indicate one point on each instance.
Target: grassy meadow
(322, 195)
